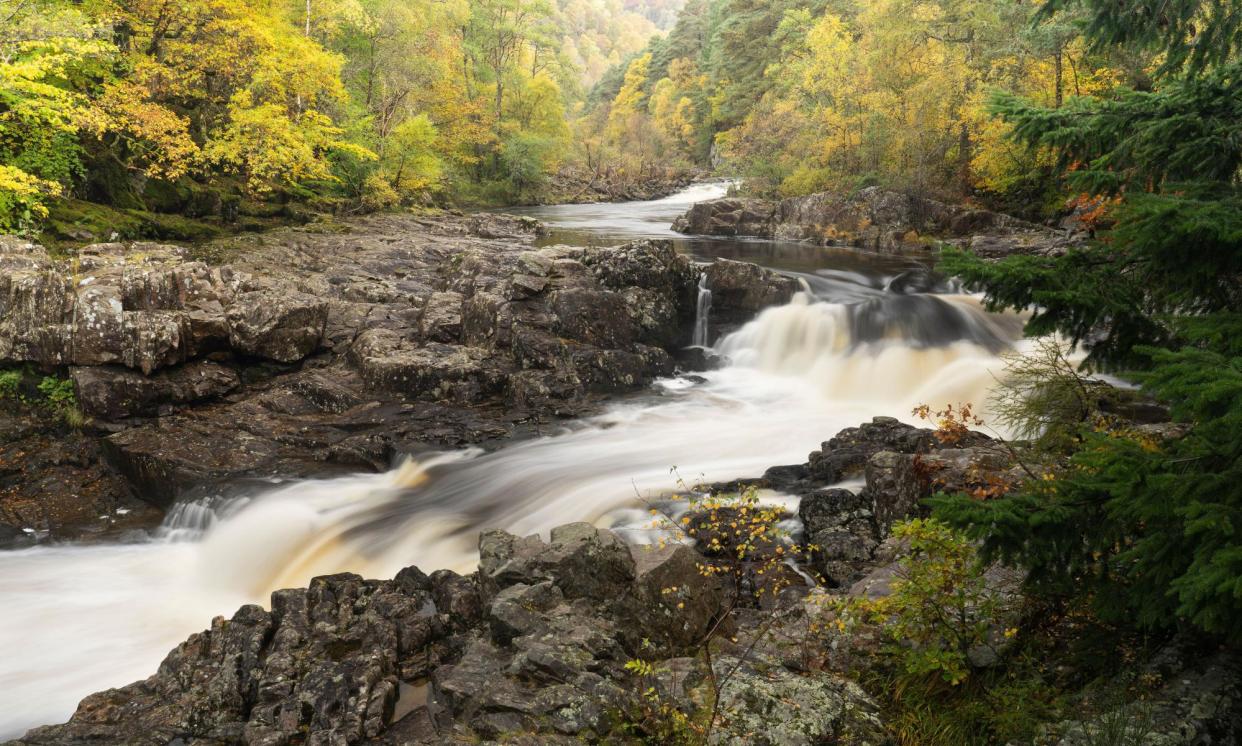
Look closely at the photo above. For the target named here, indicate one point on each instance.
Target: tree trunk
(1060, 82)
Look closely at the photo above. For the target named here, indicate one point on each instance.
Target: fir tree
(1150, 529)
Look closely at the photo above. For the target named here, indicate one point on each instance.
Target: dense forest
(803, 96)
(343, 104)
(365, 104)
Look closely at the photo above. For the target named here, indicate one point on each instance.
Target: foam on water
(77, 619)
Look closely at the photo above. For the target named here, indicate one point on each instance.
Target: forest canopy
(207, 107)
(158, 104)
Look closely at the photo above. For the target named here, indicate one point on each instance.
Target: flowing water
(76, 619)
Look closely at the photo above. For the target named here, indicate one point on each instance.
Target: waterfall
(77, 619)
(702, 310)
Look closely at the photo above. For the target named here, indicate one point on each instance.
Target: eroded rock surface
(874, 219)
(866, 478)
(310, 352)
(533, 646)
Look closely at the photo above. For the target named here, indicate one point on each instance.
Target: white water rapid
(702, 310)
(77, 619)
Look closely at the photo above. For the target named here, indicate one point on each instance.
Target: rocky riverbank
(314, 351)
(874, 219)
(538, 645)
(581, 185)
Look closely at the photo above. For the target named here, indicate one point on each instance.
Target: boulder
(840, 526)
(144, 306)
(871, 218)
(772, 706)
(671, 605)
(324, 666)
(899, 482)
(492, 225)
(740, 290)
(441, 319)
(845, 455)
(281, 326)
(433, 371)
(896, 486)
(583, 561)
(729, 216)
(596, 317)
(115, 392)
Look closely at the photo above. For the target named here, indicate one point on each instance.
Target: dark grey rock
(874, 219)
(115, 392)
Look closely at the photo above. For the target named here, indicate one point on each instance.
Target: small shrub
(652, 718)
(59, 398)
(746, 549)
(1043, 398)
(10, 385)
(940, 609)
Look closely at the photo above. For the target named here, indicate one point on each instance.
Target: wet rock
(897, 487)
(321, 667)
(582, 560)
(536, 263)
(597, 318)
(899, 482)
(729, 216)
(1026, 243)
(114, 392)
(458, 598)
(434, 371)
(441, 319)
(141, 305)
(740, 290)
(281, 326)
(12, 537)
(671, 605)
(845, 455)
(491, 225)
(872, 218)
(57, 482)
(541, 652)
(840, 527)
(526, 286)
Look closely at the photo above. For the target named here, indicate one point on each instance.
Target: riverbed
(77, 619)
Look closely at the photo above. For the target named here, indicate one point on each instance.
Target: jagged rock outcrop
(874, 219)
(899, 466)
(533, 645)
(1194, 697)
(115, 392)
(741, 289)
(313, 351)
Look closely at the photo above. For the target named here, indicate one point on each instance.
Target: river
(75, 619)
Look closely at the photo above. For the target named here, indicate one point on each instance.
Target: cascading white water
(702, 310)
(78, 619)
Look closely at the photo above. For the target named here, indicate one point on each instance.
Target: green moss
(10, 384)
(175, 227)
(72, 222)
(167, 196)
(75, 222)
(253, 208)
